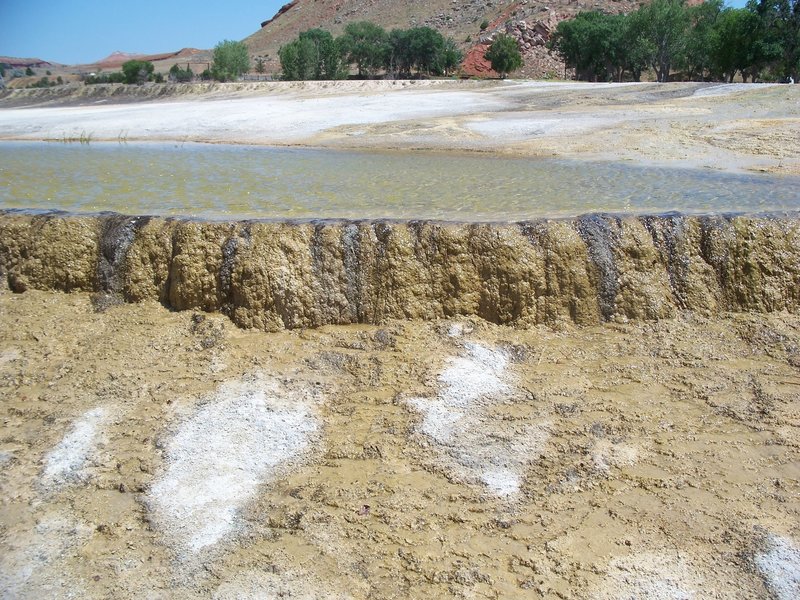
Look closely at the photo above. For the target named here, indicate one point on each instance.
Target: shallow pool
(246, 182)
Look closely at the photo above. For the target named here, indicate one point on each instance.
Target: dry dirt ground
(153, 454)
(730, 127)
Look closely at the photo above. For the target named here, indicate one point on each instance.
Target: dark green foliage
(426, 45)
(707, 41)
(776, 50)
(702, 35)
(400, 59)
(3, 67)
(118, 77)
(231, 60)
(366, 45)
(44, 82)
(484, 25)
(662, 25)
(260, 66)
(137, 71)
(314, 55)
(449, 57)
(422, 49)
(504, 55)
(733, 47)
(28, 71)
(593, 44)
(181, 75)
(60, 80)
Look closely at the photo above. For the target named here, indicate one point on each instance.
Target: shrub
(137, 71)
(181, 75)
(504, 55)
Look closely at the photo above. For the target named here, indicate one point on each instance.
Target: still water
(245, 182)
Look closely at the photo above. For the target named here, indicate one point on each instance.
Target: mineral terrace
(598, 407)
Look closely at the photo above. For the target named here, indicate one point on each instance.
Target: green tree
(399, 60)
(366, 45)
(137, 71)
(733, 43)
(449, 57)
(504, 55)
(230, 60)
(261, 68)
(29, 72)
(293, 60)
(594, 44)
(701, 37)
(313, 55)
(661, 26)
(426, 45)
(777, 48)
(327, 55)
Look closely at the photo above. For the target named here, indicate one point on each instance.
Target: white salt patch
(502, 482)
(472, 443)
(31, 564)
(65, 463)
(473, 376)
(440, 422)
(8, 356)
(459, 329)
(725, 89)
(780, 568)
(239, 439)
(606, 454)
(651, 577)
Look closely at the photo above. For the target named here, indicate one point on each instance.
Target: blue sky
(83, 31)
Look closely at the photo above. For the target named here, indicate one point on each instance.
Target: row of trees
(231, 59)
(316, 54)
(706, 41)
(133, 71)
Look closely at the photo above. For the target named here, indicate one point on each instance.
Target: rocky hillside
(530, 21)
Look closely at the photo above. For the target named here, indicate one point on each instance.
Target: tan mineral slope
(729, 127)
(598, 407)
(275, 275)
(149, 453)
